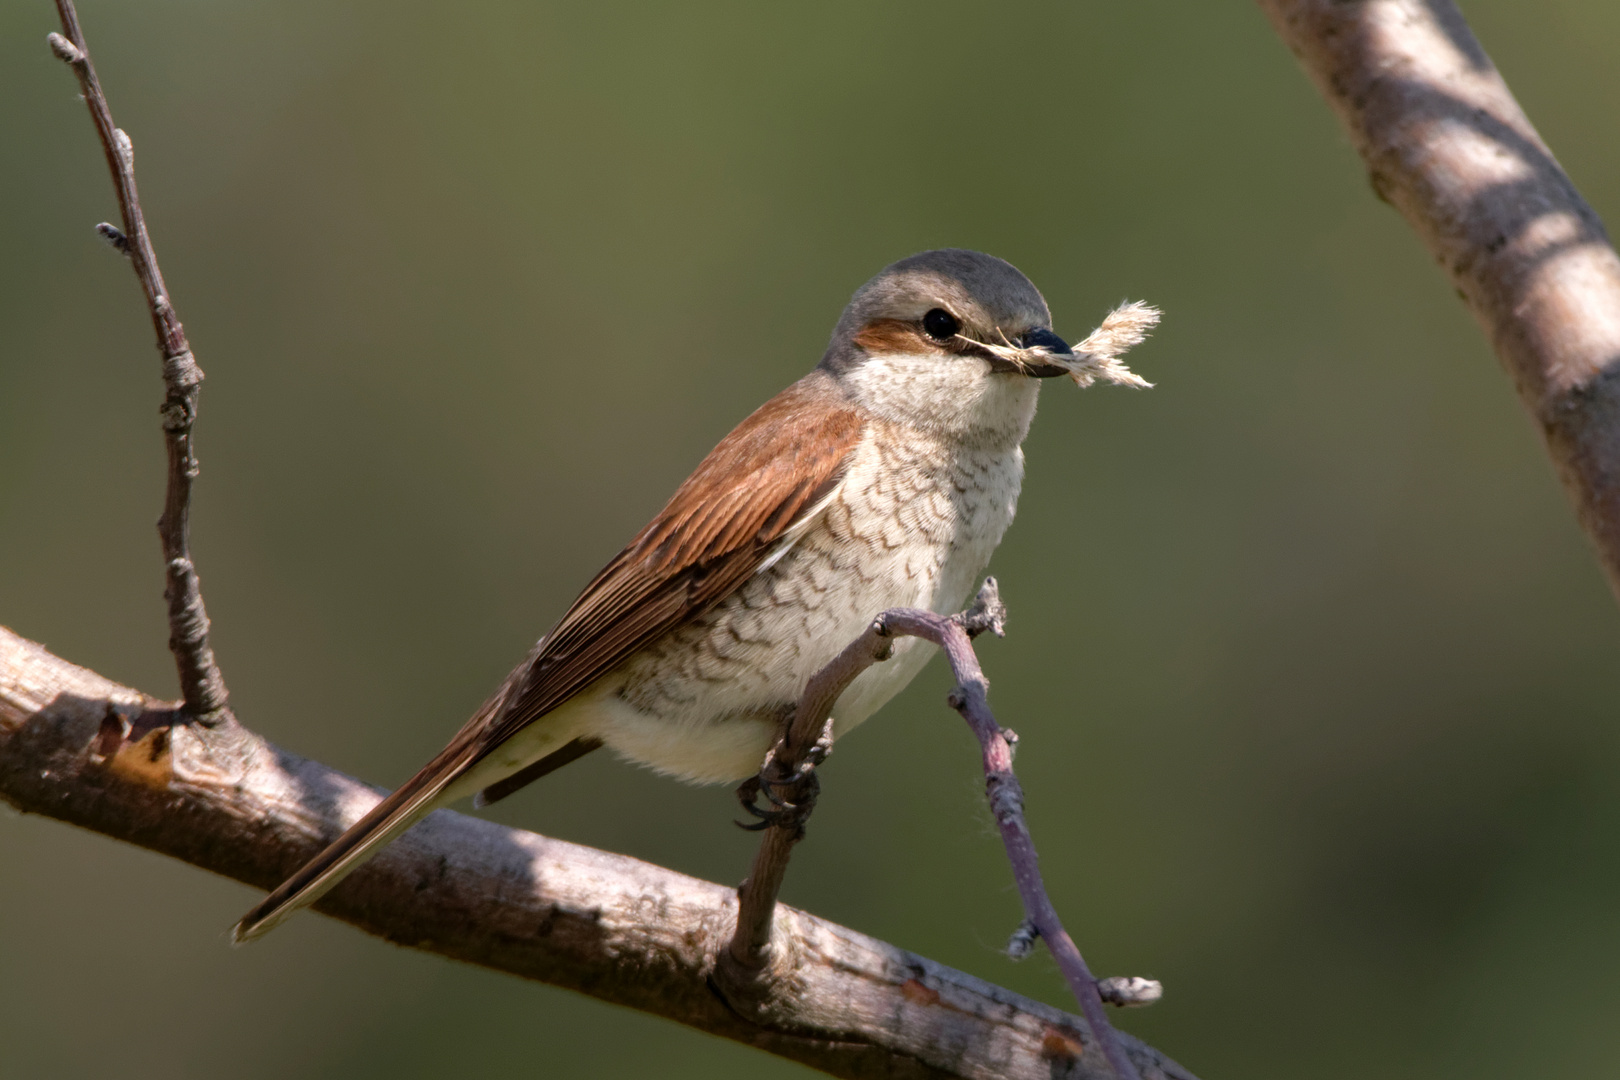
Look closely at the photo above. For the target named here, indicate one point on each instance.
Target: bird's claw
(790, 791)
(784, 813)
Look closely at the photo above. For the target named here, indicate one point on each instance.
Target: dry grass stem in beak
(1097, 357)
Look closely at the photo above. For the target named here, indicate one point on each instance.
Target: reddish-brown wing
(713, 534)
(710, 538)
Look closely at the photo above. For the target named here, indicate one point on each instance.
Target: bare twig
(81, 749)
(201, 684)
(753, 945)
(1445, 142)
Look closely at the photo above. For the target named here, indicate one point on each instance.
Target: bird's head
(952, 341)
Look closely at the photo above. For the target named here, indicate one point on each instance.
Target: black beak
(1045, 339)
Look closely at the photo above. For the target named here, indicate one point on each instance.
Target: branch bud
(65, 50)
(114, 236)
(1128, 991)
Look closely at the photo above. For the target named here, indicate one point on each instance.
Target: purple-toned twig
(201, 684)
(789, 772)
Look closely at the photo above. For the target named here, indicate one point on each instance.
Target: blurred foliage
(1315, 674)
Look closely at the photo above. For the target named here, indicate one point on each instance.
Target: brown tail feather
(414, 800)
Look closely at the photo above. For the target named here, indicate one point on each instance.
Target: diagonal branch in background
(1445, 142)
(788, 780)
(607, 925)
(201, 685)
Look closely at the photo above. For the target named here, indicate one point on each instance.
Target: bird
(885, 477)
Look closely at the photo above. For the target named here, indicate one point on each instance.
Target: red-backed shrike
(884, 478)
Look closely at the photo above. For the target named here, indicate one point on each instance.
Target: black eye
(940, 324)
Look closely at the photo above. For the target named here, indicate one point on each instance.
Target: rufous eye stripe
(892, 336)
(895, 336)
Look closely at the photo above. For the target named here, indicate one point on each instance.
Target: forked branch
(788, 770)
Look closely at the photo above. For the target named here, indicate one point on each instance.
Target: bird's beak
(1049, 342)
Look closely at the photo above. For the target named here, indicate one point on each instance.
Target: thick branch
(79, 748)
(1447, 144)
(201, 684)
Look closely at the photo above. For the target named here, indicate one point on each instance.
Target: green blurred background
(1315, 674)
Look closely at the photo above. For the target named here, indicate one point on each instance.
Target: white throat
(957, 397)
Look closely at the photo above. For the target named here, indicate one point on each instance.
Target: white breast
(912, 524)
(932, 517)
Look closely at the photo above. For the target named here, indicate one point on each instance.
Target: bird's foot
(791, 790)
(785, 812)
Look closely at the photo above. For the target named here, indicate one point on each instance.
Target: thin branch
(789, 771)
(1445, 142)
(81, 749)
(201, 684)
